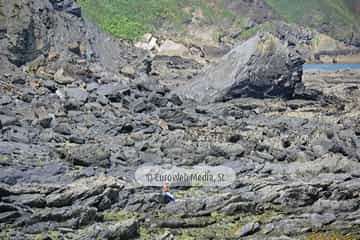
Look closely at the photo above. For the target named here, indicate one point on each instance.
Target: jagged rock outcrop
(262, 67)
(54, 32)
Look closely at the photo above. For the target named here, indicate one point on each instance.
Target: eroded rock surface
(262, 67)
(70, 144)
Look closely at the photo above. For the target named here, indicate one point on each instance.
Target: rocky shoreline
(76, 124)
(297, 163)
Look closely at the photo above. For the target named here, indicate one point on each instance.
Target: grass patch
(4, 158)
(259, 28)
(331, 236)
(326, 10)
(234, 223)
(132, 19)
(338, 15)
(222, 226)
(53, 235)
(145, 233)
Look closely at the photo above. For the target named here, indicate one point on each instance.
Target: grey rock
(64, 129)
(158, 100)
(319, 220)
(19, 135)
(185, 207)
(4, 100)
(239, 207)
(128, 71)
(123, 230)
(77, 139)
(61, 78)
(298, 196)
(45, 122)
(261, 67)
(76, 93)
(89, 155)
(4, 190)
(7, 120)
(175, 99)
(174, 67)
(248, 229)
(93, 86)
(322, 206)
(227, 149)
(81, 215)
(82, 190)
(186, 223)
(31, 200)
(9, 217)
(141, 106)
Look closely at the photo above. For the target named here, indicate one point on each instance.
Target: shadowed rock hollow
(262, 67)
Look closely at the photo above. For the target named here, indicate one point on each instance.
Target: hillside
(131, 19)
(337, 18)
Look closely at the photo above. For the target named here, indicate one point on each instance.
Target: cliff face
(55, 30)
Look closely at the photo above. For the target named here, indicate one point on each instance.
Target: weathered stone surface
(261, 67)
(124, 230)
(248, 229)
(61, 78)
(89, 154)
(82, 189)
(69, 147)
(7, 120)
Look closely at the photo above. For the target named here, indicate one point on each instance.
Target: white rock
(170, 48)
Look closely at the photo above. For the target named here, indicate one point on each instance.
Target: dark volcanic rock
(89, 154)
(261, 67)
(73, 130)
(124, 230)
(47, 28)
(27, 31)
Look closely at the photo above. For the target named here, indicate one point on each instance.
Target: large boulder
(261, 67)
(88, 155)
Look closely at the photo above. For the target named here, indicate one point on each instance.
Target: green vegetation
(338, 15)
(4, 158)
(252, 31)
(236, 222)
(131, 19)
(299, 11)
(53, 235)
(331, 236)
(145, 233)
(221, 225)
